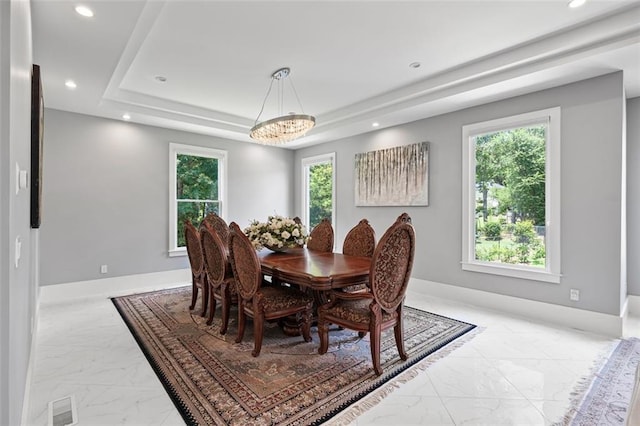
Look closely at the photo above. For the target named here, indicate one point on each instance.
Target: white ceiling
(349, 60)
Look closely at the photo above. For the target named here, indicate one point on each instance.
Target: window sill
(513, 272)
(178, 252)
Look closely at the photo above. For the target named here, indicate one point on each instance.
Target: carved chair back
(219, 225)
(391, 264)
(194, 249)
(244, 262)
(215, 254)
(321, 237)
(360, 240)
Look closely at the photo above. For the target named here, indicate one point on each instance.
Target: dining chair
(219, 225)
(380, 307)
(263, 302)
(222, 285)
(321, 237)
(196, 260)
(360, 241)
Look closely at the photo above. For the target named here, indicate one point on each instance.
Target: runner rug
(602, 399)
(213, 380)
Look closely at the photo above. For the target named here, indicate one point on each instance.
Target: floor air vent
(62, 412)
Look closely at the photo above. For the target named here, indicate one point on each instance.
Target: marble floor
(513, 371)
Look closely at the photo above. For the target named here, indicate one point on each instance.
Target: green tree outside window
(196, 190)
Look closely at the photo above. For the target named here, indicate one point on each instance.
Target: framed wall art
(37, 133)
(396, 176)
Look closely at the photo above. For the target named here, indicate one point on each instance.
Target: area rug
(602, 399)
(214, 381)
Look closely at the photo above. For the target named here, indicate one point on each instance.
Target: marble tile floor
(514, 371)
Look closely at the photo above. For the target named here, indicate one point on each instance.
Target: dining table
(313, 271)
(319, 271)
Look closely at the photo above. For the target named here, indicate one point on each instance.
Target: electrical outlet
(103, 269)
(574, 295)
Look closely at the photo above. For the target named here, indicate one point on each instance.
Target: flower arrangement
(276, 233)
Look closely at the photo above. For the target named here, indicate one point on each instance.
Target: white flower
(277, 231)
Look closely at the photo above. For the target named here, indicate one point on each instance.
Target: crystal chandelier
(284, 128)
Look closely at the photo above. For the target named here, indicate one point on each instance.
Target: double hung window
(511, 196)
(318, 189)
(196, 188)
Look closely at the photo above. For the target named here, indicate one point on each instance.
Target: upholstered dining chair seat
(280, 298)
(355, 311)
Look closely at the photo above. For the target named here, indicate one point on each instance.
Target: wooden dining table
(317, 272)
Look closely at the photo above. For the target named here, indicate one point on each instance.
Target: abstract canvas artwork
(396, 176)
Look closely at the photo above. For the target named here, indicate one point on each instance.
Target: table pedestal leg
(291, 325)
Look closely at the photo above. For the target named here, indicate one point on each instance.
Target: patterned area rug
(603, 398)
(213, 380)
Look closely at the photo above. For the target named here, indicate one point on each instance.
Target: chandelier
(284, 128)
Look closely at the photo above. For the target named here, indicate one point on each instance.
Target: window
(511, 196)
(318, 189)
(196, 188)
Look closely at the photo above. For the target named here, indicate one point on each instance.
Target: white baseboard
(633, 304)
(115, 286)
(595, 322)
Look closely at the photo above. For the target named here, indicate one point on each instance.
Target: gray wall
(633, 195)
(106, 194)
(592, 114)
(18, 285)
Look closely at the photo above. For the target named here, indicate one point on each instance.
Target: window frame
(176, 149)
(552, 271)
(305, 164)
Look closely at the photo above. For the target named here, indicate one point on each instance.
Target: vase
(283, 249)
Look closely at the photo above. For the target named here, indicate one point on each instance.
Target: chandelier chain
(264, 102)
(295, 92)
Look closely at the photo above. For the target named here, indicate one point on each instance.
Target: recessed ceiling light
(576, 3)
(161, 78)
(84, 11)
(70, 84)
(414, 65)
(376, 124)
(126, 117)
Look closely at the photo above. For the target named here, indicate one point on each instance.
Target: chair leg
(194, 293)
(205, 298)
(375, 334)
(399, 335)
(258, 330)
(226, 308)
(241, 321)
(212, 307)
(375, 352)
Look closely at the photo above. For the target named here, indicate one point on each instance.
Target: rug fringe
(350, 414)
(584, 384)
